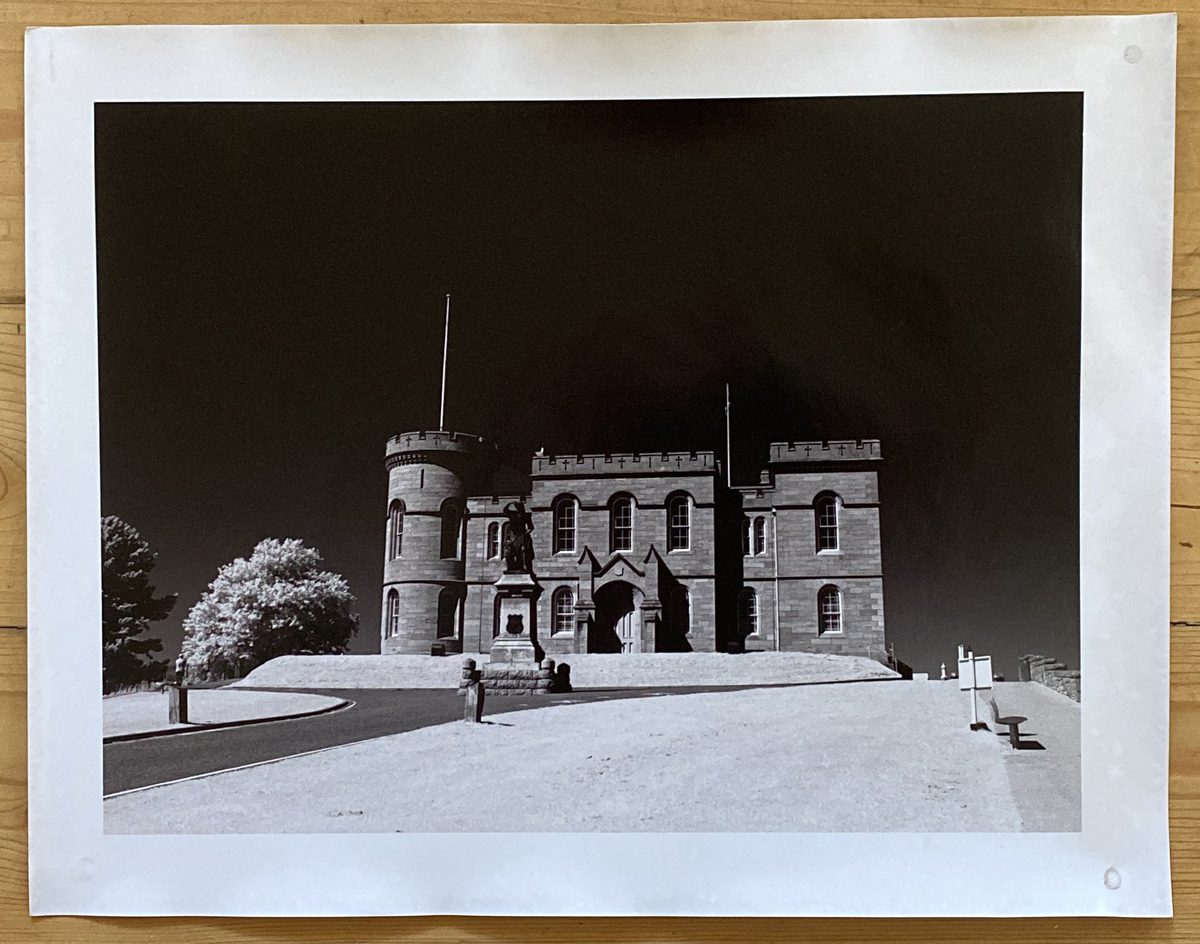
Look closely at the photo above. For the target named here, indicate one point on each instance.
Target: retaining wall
(1048, 671)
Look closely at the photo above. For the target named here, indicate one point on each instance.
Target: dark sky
(271, 282)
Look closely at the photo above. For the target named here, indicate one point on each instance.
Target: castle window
(746, 537)
(395, 529)
(503, 537)
(829, 610)
(760, 535)
(493, 541)
(621, 514)
(563, 615)
(451, 525)
(826, 507)
(564, 525)
(391, 623)
(679, 523)
(748, 612)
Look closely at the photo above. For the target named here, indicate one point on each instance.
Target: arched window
(451, 524)
(447, 624)
(826, 507)
(748, 611)
(563, 614)
(746, 537)
(681, 611)
(829, 610)
(503, 537)
(391, 620)
(395, 529)
(564, 525)
(493, 541)
(679, 523)
(760, 535)
(621, 523)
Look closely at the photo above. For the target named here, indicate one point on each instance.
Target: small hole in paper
(1112, 878)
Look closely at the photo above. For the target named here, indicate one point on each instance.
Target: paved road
(376, 712)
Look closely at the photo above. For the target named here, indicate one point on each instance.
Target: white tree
(276, 602)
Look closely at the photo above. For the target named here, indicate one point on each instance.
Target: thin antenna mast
(728, 456)
(445, 352)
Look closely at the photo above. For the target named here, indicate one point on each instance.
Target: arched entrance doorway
(618, 625)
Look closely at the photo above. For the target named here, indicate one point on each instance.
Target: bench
(1013, 722)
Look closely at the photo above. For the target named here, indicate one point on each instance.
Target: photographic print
(611, 449)
(741, 398)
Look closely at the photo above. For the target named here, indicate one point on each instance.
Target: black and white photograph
(738, 424)
(604, 467)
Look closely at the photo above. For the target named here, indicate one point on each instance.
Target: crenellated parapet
(833, 450)
(421, 446)
(626, 463)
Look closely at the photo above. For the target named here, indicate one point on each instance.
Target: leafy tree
(128, 605)
(276, 602)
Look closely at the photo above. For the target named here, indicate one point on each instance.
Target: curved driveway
(375, 713)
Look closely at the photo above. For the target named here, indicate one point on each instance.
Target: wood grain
(16, 926)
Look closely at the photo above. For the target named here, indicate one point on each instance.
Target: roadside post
(177, 695)
(974, 675)
(473, 685)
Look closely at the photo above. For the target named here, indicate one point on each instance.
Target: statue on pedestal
(518, 543)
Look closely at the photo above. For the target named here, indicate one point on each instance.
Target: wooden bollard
(473, 703)
(177, 706)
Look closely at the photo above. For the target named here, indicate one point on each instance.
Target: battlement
(491, 504)
(440, 440)
(835, 450)
(626, 463)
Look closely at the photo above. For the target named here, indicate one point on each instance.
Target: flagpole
(445, 352)
(728, 456)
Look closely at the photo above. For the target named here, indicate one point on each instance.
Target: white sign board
(974, 672)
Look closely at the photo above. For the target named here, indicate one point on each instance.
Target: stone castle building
(637, 552)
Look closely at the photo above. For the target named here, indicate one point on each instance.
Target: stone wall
(1048, 671)
(442, 596)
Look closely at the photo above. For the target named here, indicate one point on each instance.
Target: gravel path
(148, 711)
(1046, 774)
(870, 757)
(646, 670)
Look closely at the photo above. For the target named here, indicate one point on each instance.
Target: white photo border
(1124, 66)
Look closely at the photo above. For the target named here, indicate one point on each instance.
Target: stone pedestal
(517, 665)
(517, 643)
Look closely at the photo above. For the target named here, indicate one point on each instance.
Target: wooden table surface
(15, 924)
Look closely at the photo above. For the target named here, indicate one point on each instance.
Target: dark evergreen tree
(129, 605)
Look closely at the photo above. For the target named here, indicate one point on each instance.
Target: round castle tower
(430, 475)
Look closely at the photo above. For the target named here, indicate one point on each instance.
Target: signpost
(974, 674)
